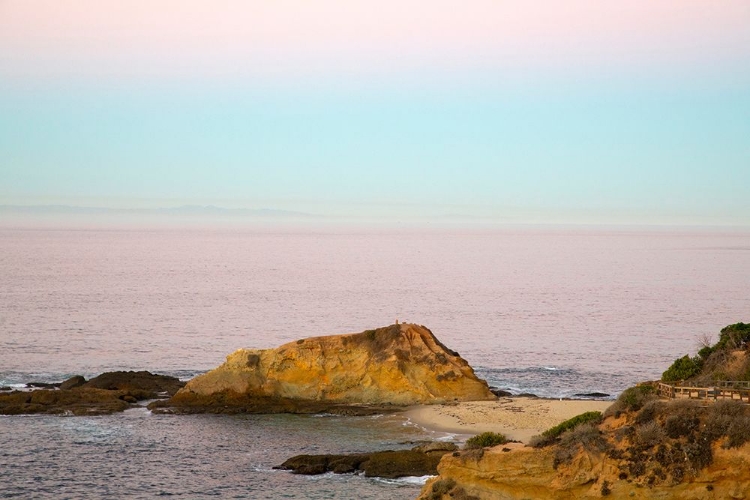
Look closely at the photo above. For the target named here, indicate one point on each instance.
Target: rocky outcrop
(108, 393)
(396, 365)
(419, 461)
(643, 447)
(137, 381)
(523, 473)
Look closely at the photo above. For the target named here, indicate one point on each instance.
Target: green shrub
(683, 368)
(706, 351)
(583, 418)
(632, 399)
(733, 336)
(486, 440)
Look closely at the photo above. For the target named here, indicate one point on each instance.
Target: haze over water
(553, 311)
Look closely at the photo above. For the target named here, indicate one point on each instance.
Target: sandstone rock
(396, 365)
(661, 449)
(529, 473)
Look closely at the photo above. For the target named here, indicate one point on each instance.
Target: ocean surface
(551, 311)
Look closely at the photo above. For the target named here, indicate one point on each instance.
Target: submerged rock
(396, 365)
(419, 461)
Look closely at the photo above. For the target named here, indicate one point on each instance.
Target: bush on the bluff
(683, 368)
(486, 440)
(550, 435)
(712, 361)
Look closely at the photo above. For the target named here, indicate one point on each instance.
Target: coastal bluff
(398, 365)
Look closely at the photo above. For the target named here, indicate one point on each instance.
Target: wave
(556, 382)
(407, 480)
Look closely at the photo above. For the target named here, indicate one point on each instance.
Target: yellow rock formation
(401, 364)
(528, 473)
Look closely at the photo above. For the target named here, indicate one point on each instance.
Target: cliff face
(400, 364)
(526, 473)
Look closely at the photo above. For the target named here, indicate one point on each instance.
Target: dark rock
(386, 464)
(6, 388)
(229, 402)
(591, 395)
(108, 393)
(436, 447)
(395, 464)
(527, 395)
(342, 468)
(500, 393)
(77, 401)
(142, 381)
(42, 385)
(74, 381)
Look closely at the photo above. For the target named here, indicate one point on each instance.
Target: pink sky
(84, 38)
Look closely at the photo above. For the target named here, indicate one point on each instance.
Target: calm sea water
(549, 311)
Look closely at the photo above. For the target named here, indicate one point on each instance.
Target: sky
(618, 112)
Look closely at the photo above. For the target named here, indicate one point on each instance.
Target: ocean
(550, 311)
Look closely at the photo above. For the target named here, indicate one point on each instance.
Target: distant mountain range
(181, 210)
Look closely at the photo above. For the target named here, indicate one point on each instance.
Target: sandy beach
(517, 418)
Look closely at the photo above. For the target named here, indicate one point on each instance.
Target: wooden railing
(732, 390)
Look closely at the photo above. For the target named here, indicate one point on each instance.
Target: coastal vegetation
(640, 447)
(550, 435)
(486, 440)
(727, 359)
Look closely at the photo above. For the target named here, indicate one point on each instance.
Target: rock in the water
(500, 393)
(396, 365)
(419, 461)
(74, 381)
(136, 381)
(42, 385)
(78, 401)
(108, 393)
(435, 447)
(593, 395)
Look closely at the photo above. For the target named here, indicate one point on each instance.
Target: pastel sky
(534, 111)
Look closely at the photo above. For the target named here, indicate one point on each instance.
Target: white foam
(410, 480)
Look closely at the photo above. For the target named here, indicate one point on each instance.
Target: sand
(518, 418)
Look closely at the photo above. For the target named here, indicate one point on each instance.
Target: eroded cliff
(642, 447)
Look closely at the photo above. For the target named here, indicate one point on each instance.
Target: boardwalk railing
(732, 390)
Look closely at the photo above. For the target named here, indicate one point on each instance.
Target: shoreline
(518, 418)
